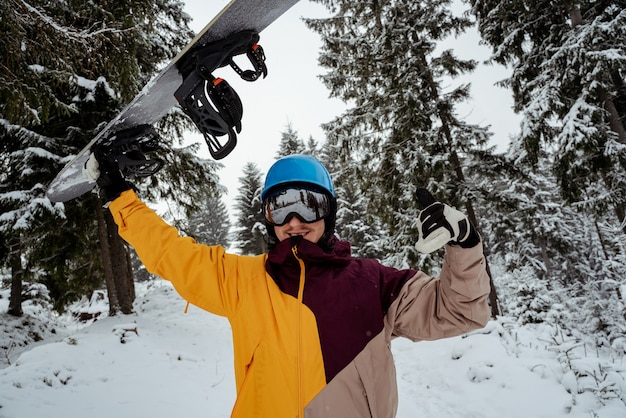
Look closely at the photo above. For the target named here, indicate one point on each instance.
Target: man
(311, 325)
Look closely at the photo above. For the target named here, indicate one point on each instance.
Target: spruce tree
(355, 222)
(401, 129)
(69, 69)
(209, 223)
(312, 147)
(290, 142)
(568, 82)
(250, 232)
(554, 254)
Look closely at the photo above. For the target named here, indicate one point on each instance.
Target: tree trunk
(615, 119)
(15, 299)
(621, 216)
(122, 269)
(494, 302)
(546, 259)
(455, 163)
(617, 126)
(493, 294)
(107, 266)
(619, 100)
(574, 14)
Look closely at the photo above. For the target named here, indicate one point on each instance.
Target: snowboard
(187, 81)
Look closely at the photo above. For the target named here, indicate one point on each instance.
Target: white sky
(293, 92)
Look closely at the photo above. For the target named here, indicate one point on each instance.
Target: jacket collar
(284, 268)
(310, 253)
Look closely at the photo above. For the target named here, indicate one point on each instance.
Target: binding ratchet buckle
(210, 102)
(129, 148)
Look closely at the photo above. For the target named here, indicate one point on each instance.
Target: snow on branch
(80, 36)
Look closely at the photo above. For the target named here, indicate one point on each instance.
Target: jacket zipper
(294, 250)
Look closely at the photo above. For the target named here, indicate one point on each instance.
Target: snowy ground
(161, 363)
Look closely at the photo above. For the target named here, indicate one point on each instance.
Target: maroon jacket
(360, 305)
(349, 296)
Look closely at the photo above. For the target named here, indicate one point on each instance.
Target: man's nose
(295, 221)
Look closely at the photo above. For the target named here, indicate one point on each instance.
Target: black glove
(439, 224)
(105, 170)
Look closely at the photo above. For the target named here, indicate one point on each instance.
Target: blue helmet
(297, 170)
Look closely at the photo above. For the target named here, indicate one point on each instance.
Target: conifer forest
(551, 207)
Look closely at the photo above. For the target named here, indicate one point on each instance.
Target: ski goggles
(309, 206)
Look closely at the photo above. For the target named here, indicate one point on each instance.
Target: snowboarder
(311, 325)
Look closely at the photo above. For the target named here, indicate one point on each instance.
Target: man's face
(309, 231)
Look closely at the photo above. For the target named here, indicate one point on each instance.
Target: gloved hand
(105, 171)
(439, 224)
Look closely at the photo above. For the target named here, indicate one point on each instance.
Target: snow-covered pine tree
(401, 129)
(250, 234)
(69, 68)
(312, 147)
(209, 223)
(553, 256)
(186, 180)
(355, 223)
(290, 143)
(568, 60)
(24, 212)
(40, 93)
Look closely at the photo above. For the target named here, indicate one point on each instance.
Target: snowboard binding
(211, 103)
(129, 148)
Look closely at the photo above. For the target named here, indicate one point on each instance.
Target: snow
(161, 362)
(91, 86)
(36, 67)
